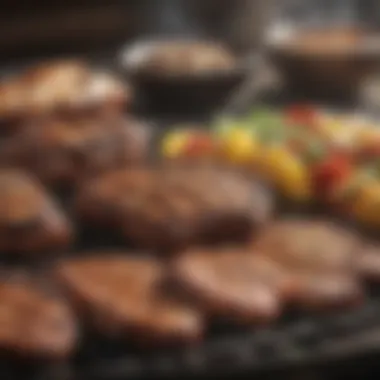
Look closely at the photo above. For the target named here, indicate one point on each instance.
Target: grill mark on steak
(33, 324)
(63, 152)
(232, 283)
(125, 296)
(30, 221)
(170, 208)
(319, 257)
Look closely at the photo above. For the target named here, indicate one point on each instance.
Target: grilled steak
(33, 323)
(232, 283)
(63, 151)
(369, 262)
(59, 87)
(170, 208)
(30, 221)
(126, 297)
(320, 258)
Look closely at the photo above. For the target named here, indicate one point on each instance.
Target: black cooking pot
(177, 93)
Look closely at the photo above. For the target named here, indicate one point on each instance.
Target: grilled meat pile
(206, 242)
(56, 88)
(61, 152)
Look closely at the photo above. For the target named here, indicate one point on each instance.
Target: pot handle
(262, 78)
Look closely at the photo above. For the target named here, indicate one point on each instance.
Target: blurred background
(95, 24)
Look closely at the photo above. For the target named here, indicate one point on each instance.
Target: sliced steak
(34, 324)
(63, 151)
(126, 297)
(30, 220)
(232, 283)
(60, 87)
(320, 258)
(369, 262)
(171, 208)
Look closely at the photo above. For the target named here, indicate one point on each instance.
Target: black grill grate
(305, 340)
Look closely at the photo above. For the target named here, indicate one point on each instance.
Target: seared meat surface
(169, 208)
(126, 297)
(232, 283)
(60, 87)
(34, 324)
(64, 151)
(368, 262)
(30, 220)
(319, 257)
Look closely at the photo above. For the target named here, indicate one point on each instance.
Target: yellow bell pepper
(238, 146)
(287, 172)
(174, 143)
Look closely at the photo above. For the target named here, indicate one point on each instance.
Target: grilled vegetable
(239, 146)
(329, 173)
(301, 115)
(187, 144)
(174, 143)
(199, 145)
(283, 168)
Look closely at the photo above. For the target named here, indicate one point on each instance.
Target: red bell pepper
(301, 115)
(199, 145)
(330, 173)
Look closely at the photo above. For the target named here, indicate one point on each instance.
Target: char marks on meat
(232, 283)
(320, 258)
(127, 297)
(30, 220)
(34, 324)
(170, 208)
(64, 151)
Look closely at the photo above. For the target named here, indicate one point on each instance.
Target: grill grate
(307, 340)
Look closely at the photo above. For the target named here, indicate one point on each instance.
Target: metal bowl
(174, 93)
(326, 62)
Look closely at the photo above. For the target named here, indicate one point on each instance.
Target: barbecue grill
(296, 341)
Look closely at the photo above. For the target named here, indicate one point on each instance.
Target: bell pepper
(280, 166)
(199, 145)
(239, 146)
(173, 144)
(329, 173)
(301, 115)
(187, 144)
